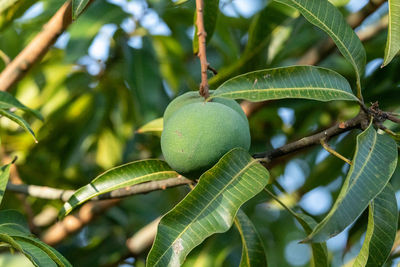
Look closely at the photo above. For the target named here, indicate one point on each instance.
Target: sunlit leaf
(78, 6)
(154, 126)
(4, 175)
(374, 162)
(210, 208)
(253, 251)
(19, 120)
(120, 177)
(14, 231)
(393, 38)
(8, 101)
(381, 230)
(210, 15)
(328, 18)
(306, 82)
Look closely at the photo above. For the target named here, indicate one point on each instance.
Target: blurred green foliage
(95, 90)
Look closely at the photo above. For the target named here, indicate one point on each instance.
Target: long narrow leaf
(307, 82)
(120, 177)
(374, 162)
(210, 208)
(50, 252)
(20, 121)
(253, 251)
(78, 6)
(328, 18)
(4, 175)
(381, 230)
(393, 38)
(319, 250)
(8, 101)
(13, 223)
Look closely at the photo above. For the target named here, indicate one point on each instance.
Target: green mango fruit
(197, 134)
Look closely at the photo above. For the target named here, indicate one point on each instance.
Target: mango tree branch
(45, 192)
(202, 54)
(37, 48)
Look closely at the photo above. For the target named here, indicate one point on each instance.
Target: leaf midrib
(354, 180)
(284, 89)
(206, 207)
(336, 37)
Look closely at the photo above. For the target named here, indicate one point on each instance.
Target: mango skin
(194, 97)
(198, 134)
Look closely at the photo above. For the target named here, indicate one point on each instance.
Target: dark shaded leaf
(210, 208)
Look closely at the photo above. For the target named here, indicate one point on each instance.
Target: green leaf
(393, 37)
(119, 177)
(210, 15)
(264, 24)
(210, 208)
(253, 251)
(319, 250)
(381, 230)
(37, 256)
(5, 4)
(14, 231)
(327, 17)
(154, 126)
(4, 175)
(306, 82)
(20, 121)
(13, 223)
(50, 252)
(77, 7)
(374, 162)
(8, 101)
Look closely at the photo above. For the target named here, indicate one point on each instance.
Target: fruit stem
(201, 33)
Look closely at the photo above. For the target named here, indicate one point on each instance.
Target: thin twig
(4, 57)
(326, 146)
(37, 48)
(75, 222)
(46, 192)
(357, 122)
(202, 49)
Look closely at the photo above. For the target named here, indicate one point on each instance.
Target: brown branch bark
(46, 192)
(73, 223)
(360, 121)
(322, 50)
(143, 238)
(202, 54)
(37, 48)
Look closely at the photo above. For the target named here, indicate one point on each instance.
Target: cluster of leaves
(97, 124)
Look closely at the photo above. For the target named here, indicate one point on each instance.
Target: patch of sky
(93, 66)
(62, 41)
(32, 12)
(356, 5)
(278, 140)
(317, 201)
(322, 154)
(398, 199)
(293, 176)
(135, 42)
(372, 66)
(99, 49)
(287, 115)
(240, 8)
(297, 254)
